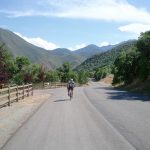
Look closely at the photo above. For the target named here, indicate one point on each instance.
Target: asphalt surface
(98, 118)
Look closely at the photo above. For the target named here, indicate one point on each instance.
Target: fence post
(43, 84)
(32, 89)
(28, 90)
(17, 94)
(23, 91)
(8, 95)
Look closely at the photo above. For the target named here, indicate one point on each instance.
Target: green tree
(22, 61)
(118, 69)
(83, 77)
(65, 72)
(52, 76)
(7, 65)
(41, 74)
(102, 72)
(28, 74)
(143, 46)
(126, 67)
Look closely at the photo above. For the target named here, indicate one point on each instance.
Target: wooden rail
(51, 85)
(11, 94)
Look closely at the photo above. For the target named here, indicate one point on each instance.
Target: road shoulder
(13, 117)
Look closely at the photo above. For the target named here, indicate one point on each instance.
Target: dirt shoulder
(107, 80)
(11, 118)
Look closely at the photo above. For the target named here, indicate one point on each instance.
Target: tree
(118, 69)
(28, 74)
(143, 46)
(102, 72)
(83, 77)
(52, 76)
(21, 62)
(126, 67)
(65, 72)
(7, 65)
(41, 74)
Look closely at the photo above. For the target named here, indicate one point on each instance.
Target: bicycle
(71, 94)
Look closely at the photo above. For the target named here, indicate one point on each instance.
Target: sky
(74, 24)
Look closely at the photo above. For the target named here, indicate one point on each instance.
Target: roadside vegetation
(134, 65)
(132, 69)
(21, 71)
(129, 64)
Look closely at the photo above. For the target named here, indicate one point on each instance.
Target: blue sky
(75, 23)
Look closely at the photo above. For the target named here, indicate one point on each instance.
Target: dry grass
(107, 80)
(136, 86)
(139, 86)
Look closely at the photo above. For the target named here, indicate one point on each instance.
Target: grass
(38, 85)
(138, 86)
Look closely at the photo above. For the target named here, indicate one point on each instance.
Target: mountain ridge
(107, 57)
(51, 59)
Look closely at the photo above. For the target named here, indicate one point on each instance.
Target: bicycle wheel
(70, 94)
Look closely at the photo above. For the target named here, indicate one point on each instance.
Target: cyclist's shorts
(70, 88)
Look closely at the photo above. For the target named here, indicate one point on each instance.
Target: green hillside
(105, 58)
(51, 59)
(66, 55)
(89, 50)
(19, 47)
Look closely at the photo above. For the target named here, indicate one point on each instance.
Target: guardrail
(11, 94)
(51, 85)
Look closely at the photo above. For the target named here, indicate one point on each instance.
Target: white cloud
(135, 28)
(25, 13)
(39, 42)
(104, 44)
(109, 10)
(77, 46)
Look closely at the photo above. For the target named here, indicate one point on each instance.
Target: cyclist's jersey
(70, 85)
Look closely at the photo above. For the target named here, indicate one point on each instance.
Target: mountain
(92, 49)
(61, 51)
(51, 59)
(65, 55)
(107, 57)
(19, 47)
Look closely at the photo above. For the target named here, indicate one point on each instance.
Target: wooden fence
(11, 94)
(51, 85)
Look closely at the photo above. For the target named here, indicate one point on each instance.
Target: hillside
(19, 47)
(65, 55)
(51, 59)
(92, 49)
(105, 58)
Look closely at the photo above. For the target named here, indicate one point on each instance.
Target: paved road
(98, 118)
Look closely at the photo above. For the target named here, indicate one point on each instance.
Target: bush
(102, 72)
(83, 77)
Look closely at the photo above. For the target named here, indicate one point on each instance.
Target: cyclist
(70, 86)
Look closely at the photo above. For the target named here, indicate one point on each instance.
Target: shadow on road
(61, 100)
(104, 88)
(116, 94)
(124, 95)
